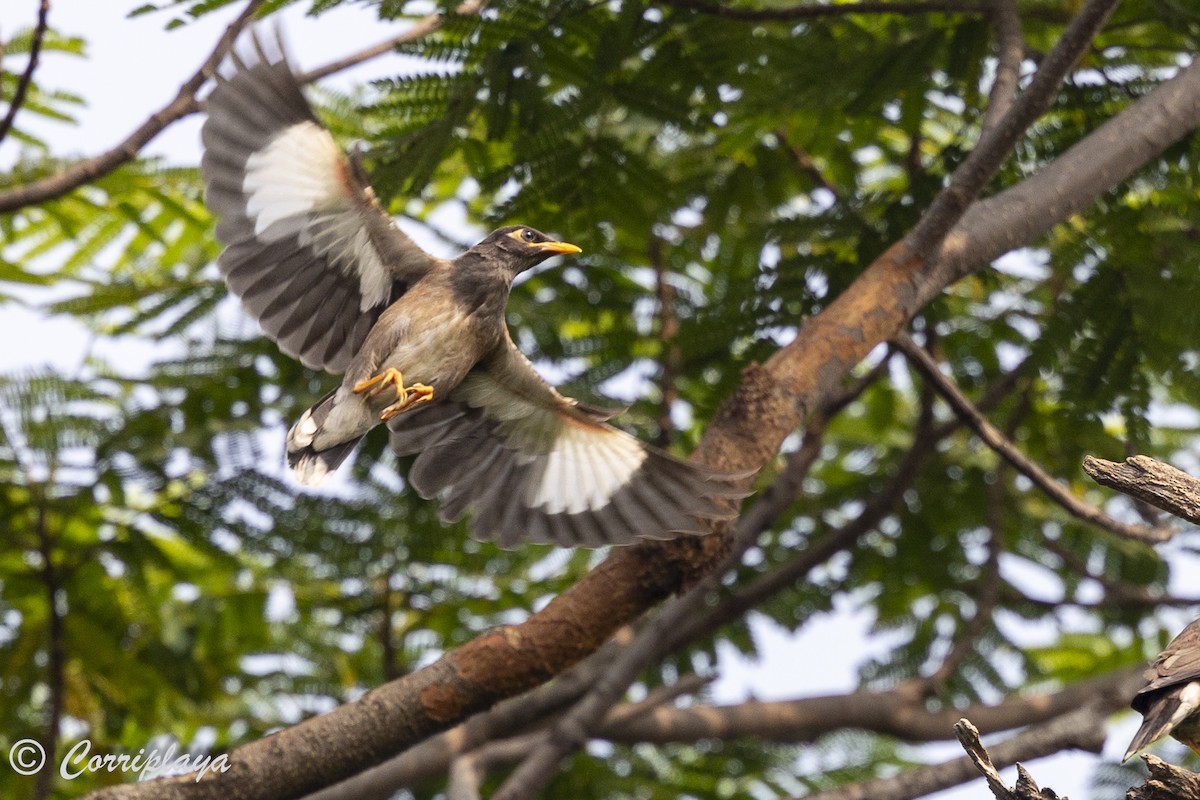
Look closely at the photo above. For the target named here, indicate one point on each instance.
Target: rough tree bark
(1150, 481)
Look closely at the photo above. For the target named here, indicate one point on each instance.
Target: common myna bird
(422, 341)
(1170, 700)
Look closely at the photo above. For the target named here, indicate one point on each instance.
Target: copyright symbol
(27, 757)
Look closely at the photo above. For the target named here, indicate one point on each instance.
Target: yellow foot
(417, 393)
(406, 396)
(377, 384)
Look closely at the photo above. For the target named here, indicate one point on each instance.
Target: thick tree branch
(1153, 482)
(26, 79)
(1017, 216)
(773, 400)
(1005, 448)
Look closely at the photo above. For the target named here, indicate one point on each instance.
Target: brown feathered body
(327, 274)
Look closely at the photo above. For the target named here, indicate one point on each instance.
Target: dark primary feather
(492, 448)
(312, 256)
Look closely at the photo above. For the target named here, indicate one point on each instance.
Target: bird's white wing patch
(311, 254)
(1189, 701)
(583, 470)
(577, 466)
(296, 173)
(296, 186)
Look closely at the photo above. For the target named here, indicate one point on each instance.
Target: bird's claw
(376, 384)
(406, 396)
(417, 393)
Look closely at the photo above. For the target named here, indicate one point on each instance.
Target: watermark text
(28, 757)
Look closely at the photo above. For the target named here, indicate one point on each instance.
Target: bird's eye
(528, 235)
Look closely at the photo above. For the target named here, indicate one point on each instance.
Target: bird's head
(519, 247)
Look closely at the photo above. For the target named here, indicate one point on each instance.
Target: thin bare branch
(184, 104)
(26, 79)
(433, 757)
(1154, 482)
(1010, 53)
(986, 596)
(804, 161)
(1081, 729)
(819, 10)
(422, 28)
(902, 712)
(469, 771)
(1084, 730)
(670, 354)
(656, 698)
(1007, 450)
(1010, 596)
(981, 165)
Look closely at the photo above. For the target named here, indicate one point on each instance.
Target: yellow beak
(557, 247)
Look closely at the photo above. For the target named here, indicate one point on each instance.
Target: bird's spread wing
(535, 466)
(307, 247)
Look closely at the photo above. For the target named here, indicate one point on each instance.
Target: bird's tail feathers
(310, 465)
(1161, 717)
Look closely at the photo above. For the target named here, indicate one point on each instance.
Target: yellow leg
(377, 384)
(417, 393)
(406, 396)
